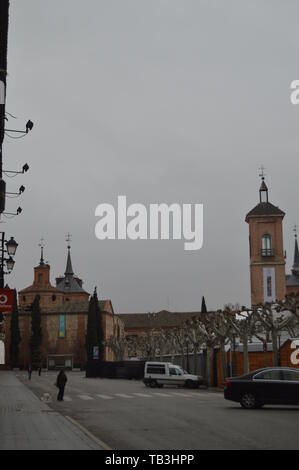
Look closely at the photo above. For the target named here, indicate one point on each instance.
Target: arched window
(267, 245)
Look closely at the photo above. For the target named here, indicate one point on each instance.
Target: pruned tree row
(211, 330)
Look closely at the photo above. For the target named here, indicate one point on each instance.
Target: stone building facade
(64, 312)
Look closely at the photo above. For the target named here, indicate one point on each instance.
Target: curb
(88, 433)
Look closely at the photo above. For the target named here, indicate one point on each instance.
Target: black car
(272, 385)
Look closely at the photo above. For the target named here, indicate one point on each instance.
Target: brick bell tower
(267, 260)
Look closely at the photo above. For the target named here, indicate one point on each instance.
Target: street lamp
(11, 246)
(29, 127)
(10, 264)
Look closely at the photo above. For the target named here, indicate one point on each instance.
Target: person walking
(39, 370)
(60, 383)
(29, 371)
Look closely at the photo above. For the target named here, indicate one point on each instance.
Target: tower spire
(263, 188)
(41, 245)
(69, 269)
(295, 269)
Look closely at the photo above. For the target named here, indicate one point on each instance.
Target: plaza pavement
(27, 423)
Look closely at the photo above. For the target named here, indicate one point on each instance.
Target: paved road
(28, 423)
(127, 415)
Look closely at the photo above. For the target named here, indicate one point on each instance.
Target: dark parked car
(272, 385)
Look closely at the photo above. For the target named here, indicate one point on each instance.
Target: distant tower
(292, 280)
(70, 284)
(42, 271)
(49, 295)
(267, 261)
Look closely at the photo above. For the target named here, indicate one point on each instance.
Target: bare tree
(179, 342)
(196, 339)
(222, 326)
(274, 321)
(161, 342)
(243, 323)
(147, 345)
(206, 326)
(118, 346)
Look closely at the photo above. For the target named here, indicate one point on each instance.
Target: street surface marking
(207, 395)
(85, 397)
(123, 395)
(143, 395)
(162, 394)
(178, 394)
(105, 397)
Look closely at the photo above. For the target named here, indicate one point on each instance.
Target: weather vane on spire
(262, 173)
(68, 239)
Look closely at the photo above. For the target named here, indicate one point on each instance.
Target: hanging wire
(12, 137)
(11, 176)
(11, 115)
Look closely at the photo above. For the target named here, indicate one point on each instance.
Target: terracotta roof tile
(264, 208)
(163, 319)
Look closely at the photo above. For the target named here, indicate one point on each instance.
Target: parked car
(157, 374)
(271, 385)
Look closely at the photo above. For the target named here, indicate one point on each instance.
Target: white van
(157, 374)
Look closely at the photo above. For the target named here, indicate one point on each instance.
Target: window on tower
(267, 245)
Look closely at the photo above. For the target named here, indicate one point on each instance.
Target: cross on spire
(68, 239)
(262, 173)
(295, 230)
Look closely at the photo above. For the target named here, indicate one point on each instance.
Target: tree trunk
(183, 360)
(245, 354)
(195, 359)
(275, 350)
(223, 361)
(210, 366)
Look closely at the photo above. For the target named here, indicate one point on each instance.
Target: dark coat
(61, 379)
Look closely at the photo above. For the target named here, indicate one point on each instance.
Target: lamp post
(11, 248)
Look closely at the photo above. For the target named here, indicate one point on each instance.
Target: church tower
(49, 296)
(292, 280)
(71, 285)
(267, 260)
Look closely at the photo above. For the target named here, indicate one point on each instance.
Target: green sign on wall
(61, 333)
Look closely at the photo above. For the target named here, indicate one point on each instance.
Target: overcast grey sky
(162, 101)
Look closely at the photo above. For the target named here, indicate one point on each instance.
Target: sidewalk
(26, 423)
